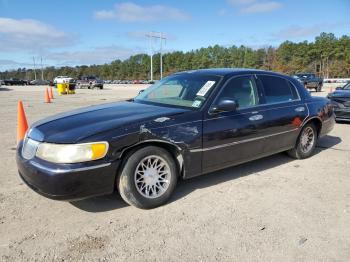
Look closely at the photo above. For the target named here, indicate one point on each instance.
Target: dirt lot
(273, 209)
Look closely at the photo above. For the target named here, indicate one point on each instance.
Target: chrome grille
(29, 148)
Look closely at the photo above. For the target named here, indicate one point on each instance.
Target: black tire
(318, 88)
(297, 152)
(126, 180)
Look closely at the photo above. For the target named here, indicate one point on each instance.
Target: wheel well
(318, 124)
(172, 149)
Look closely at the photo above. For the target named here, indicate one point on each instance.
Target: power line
(161, 37)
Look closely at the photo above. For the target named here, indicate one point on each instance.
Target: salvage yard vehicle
(39, 82)
(186, 125)
(15, 82)
(310, 81)
(340, 99)
(90, 82)
(61, 79)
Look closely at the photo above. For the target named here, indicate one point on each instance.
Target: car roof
(228, 71)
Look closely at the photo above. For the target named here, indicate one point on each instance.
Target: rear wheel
(148, 177)
(306, 143)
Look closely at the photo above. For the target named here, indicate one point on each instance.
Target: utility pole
(151, 54)
(161, 37)
(245, 54)
(34, 68)
(42, 69)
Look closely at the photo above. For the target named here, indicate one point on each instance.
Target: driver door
(234, 137)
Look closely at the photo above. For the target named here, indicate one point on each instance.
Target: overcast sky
(94, 32)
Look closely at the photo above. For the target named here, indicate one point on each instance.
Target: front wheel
(318, 88)
(148, 177)
(306, 143)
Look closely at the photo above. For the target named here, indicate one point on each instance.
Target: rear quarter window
(277, 89)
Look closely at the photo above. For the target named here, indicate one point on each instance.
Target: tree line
(327, 56)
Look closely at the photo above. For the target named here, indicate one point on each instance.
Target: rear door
(284, 112)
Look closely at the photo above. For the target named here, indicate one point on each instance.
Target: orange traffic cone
(51, 93)
(22, 124)
(47, 98)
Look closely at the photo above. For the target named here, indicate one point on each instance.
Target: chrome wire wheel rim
(307, 139)
(152, 176)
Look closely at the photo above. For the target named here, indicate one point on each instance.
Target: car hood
(340, 93)
(78, 125)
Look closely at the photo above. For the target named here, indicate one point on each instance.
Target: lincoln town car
(188, 124)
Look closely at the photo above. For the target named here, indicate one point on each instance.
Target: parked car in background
(336, 80)
(185, 125)
(15, 82)
(89, 82)
(310, 81)
(126, 82)
(39, 82)
(340, 99)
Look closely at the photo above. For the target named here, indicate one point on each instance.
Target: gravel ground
(272, 209)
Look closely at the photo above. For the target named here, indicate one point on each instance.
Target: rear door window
(277, 89)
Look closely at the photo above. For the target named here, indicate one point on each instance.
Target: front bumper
(67, 181)
(98, 85)
(342, 114)
(310, 85)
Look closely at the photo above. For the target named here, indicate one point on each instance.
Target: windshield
(184, 90)
(346, 87)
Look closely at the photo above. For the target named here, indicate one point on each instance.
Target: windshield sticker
(205, 88)
(196, 103)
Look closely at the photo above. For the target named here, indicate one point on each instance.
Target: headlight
(72, 153)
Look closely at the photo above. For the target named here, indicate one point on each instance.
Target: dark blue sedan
(185, 125)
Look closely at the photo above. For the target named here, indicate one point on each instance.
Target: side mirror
(339, 88)
(141, 91)
(224, 105)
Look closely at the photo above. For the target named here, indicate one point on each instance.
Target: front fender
(182, 136)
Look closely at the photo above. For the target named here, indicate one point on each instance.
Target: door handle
(256, 117)
(300, 109)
